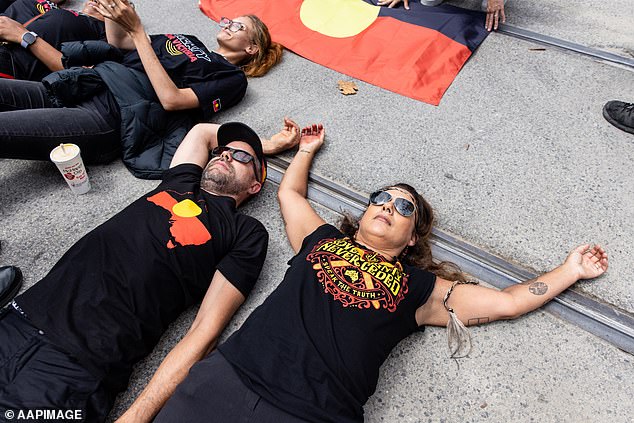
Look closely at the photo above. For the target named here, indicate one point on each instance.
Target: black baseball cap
(238, 131)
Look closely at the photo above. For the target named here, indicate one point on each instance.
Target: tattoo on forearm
(303, 150)
(535, 287)
(477, 321)
(538, 288)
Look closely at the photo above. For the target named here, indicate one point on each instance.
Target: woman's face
(385, 222)
(240, 40)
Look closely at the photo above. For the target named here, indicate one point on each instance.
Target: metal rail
(600, 319)
(566, 45)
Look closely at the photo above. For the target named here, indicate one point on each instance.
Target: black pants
(37, 375)
(214, 393)
(31, 126)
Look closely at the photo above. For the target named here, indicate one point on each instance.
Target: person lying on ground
(129, 108)
(312, 351)
(69, 342)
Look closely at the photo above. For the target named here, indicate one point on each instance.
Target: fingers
(314, 129)
(290, 124)
(406, 4)
(492, 20)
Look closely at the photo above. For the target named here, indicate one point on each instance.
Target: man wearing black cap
(70, 341)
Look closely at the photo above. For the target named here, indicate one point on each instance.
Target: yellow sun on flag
(186, 208)
(338, 18)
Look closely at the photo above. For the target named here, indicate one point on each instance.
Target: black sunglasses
(403, 206)
(238, 155)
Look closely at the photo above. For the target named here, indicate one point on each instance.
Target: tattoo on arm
(477, 321)
(536, 287)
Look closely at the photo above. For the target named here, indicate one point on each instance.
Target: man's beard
(219, 182)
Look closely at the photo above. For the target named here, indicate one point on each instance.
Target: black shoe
(10, 283)
(620, 114)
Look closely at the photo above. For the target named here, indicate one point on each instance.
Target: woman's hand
(588, 262)
(312, 138)
(11, 30)
(495, 14)
(122, 12)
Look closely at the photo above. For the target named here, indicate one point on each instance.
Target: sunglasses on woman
(403, 206)
(233, 26)
(238, 155)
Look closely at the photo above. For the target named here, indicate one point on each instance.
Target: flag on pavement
(416, 52)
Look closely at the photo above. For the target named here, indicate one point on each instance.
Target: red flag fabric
(416, 52)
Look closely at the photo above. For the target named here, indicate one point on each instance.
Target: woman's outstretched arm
(474, 304)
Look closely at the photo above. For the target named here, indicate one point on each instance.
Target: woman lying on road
(312, 350)
(99, 108)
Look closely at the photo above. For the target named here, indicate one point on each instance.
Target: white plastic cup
(67, 157)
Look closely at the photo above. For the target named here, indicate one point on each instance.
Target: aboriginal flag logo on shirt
(357, 277)
(185, 227)
(178, 44)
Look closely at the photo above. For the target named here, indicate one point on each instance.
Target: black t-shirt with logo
(113, 294)
(217, 83)
(55, 27)
(23, 10)
(315, 346)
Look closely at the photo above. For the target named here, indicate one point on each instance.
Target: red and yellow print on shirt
(178, 44)
(357, 277)
(44, 6)
(185, 227)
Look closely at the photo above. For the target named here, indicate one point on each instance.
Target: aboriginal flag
(416, 52)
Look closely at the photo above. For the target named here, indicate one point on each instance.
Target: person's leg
(30, 126)
(214, 393)
(35, 374)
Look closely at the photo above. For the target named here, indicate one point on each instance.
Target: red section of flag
(408, 59)
(184, 230)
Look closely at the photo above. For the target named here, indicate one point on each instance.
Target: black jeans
(38, 375)
(31, 126)
(214, 393)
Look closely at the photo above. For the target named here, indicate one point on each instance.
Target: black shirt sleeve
(242, 265)
(222, 90)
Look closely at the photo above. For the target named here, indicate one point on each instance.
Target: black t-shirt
(217, 83)
(23, 10)
(315, 346)
(4, 4)
(113, 294)
(55, 27)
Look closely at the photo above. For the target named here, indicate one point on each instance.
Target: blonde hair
(269, 53)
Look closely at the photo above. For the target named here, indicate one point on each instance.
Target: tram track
(536, 37)
(598, 318)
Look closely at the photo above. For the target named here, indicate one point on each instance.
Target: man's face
(224, 175)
